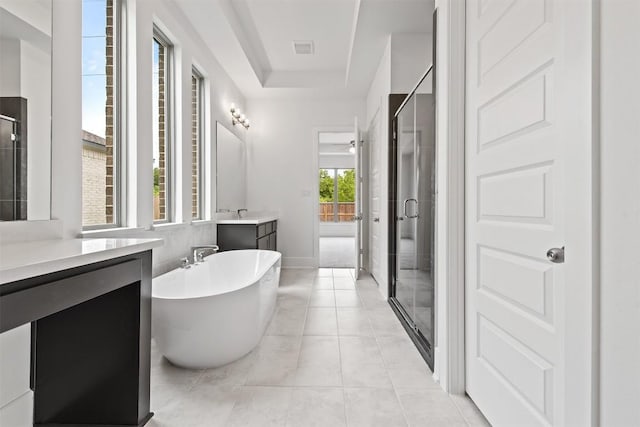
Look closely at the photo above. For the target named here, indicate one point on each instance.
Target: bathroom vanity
(75, 332)
(251, 232)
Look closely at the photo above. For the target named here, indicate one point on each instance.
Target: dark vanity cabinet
(90, 341)
(248, 236)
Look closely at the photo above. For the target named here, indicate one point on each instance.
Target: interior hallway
(334, 354)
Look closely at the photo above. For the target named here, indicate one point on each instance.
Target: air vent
(303, 47)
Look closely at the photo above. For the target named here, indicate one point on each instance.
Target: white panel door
(528, 347)
(373, 141)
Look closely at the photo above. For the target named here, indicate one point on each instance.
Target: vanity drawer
(262, 230)
(248, 236)
(15, 359)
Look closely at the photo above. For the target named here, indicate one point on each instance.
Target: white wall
(410, 56)
(339, 161)
(282, 165)
(620, 214)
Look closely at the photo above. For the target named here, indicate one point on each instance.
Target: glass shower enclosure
(412, 206)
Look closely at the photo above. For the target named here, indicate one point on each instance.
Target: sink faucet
(199, 252)
(240, 211)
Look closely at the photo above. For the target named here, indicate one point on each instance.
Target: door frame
(449, 353)
(316, 185)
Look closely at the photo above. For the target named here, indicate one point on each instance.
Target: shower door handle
(417, 214)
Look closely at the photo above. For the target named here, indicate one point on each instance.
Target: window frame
(119, 122)
(169, 106)
(336, 196)
(201, 161)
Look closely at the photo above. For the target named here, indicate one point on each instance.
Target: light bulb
(233, 107)
(352, 150)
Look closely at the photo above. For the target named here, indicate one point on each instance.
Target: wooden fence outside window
(346, 212)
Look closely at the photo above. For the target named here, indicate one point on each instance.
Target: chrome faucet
(240, 212)
(199, 252)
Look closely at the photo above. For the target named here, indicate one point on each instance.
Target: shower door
(413, 205)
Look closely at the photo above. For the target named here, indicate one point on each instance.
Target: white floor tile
(344, 283)
(354, 321)
(322, 298)
(317, 407)
(321, 321)
(429, 407)
(345, 298)
(323, 283)
(261, 406)
(317, 365)
(373, 408)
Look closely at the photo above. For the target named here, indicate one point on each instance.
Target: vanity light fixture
(237, 117)
(352, 149)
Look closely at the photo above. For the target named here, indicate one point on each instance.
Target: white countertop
(248, 219)
(29, 259)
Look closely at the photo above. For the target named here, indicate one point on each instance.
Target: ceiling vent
(303, 47)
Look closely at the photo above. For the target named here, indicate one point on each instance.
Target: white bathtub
(215, 312)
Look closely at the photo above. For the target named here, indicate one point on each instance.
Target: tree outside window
(340, 183)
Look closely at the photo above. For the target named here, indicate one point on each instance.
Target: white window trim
(120, 146)
(202, 163)
(170, 148)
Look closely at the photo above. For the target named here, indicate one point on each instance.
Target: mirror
(25, 110)
(231, 161)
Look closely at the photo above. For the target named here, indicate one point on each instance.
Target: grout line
(459, 411)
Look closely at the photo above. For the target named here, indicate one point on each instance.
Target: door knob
(556, 255)
(376, 219)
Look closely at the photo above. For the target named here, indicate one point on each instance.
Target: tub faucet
(240, 211)
(199, 252)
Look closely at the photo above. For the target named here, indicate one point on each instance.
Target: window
(337, 195)
(162, 128)
(101, 145)
(197, 145)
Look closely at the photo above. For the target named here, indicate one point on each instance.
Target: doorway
(336, 199)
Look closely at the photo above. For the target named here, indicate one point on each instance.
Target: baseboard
(299, 262)
(436, 365)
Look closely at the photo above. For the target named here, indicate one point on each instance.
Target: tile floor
(334, 354)
(337, 252)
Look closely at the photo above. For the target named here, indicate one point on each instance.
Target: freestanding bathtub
(215, 312)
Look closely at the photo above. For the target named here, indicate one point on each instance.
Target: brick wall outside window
(109, 113)
(162, 137)
(195, 147)
(94, 159)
